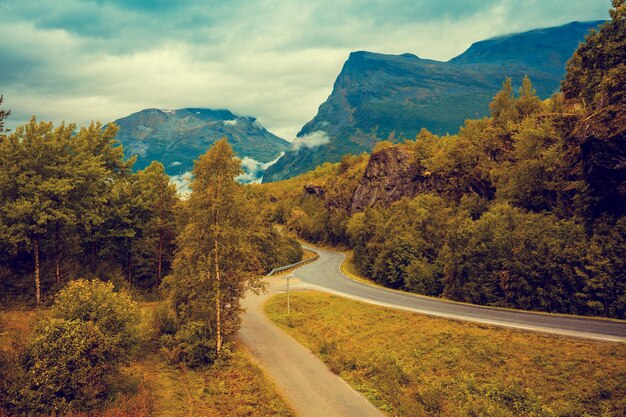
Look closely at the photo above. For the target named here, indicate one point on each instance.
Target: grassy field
(231, 388)
(413, 365)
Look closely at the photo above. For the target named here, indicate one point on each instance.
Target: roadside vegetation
(149, 385)
(514, 211)
(413, 365)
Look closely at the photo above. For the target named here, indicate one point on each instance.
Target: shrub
(67, 366)
(197, 344)
(115, 314)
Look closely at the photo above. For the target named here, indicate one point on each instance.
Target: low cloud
(310, 140)
(254, 170)
(182, 182)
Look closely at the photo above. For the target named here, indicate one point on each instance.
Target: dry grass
(16, 326)
(413, 365)
(231, 388)
(308, 254)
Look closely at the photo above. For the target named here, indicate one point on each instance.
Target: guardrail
(293, 265)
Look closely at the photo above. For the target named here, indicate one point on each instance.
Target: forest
(90, 244)
(507, 213)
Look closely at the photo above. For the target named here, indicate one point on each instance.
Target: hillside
(177, 137)
(379, 96)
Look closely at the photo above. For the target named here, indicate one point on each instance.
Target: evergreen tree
(158, 199)
(3, 115)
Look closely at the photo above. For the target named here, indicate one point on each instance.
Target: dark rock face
(377, 96)
(391, 174)
(602, 138)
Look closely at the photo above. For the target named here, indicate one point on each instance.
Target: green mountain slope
(376, 96)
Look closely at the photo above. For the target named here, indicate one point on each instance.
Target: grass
(414, 365)
(232, 387)
(308, 254)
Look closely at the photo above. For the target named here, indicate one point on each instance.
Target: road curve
(301, 378)
(325, 275)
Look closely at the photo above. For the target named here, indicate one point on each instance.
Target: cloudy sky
(83, 60)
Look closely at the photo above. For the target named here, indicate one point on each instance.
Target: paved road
(325, 275)
(302, 379)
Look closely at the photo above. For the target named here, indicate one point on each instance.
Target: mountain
(379, 96)
(177, 137)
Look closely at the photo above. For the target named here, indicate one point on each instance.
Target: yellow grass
(413, 365)
(232, 388)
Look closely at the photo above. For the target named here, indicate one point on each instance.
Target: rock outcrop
(391, 174)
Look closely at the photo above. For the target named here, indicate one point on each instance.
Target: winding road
(325, 275)
(307, 384)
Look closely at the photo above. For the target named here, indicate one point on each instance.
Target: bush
(197, 344)
(164, 320)
(72, 362)
(115, 314)
(67, 367)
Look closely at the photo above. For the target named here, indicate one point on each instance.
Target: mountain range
(377, 96)
(177, 137)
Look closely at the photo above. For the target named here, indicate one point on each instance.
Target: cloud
(310, 140)
(83, 60)
(254, 170)
(182, 183)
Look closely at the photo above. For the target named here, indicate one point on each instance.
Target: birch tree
(216, 261)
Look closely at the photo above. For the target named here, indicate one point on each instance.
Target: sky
(84, 60)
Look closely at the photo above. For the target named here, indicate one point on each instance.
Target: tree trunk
(37, 273)
(160, 257)
(57, 260)
(218, 281)
(128, 262)
(93, 253)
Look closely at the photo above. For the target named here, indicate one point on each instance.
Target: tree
(70, 362)
(65, 368)
(502, 107)
(35, 186)
(527, 102)
(158, 198)
(216, 261)
(104, 209)
(596, 73)
(3, 115)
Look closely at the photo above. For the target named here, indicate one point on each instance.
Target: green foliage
(503, 215)
(219, 256)
(515, 259)
(72, 208)
(596, 73)
(115, 314)
(67, 367)
(72, 362)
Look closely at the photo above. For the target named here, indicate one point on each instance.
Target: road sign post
(288, 300)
